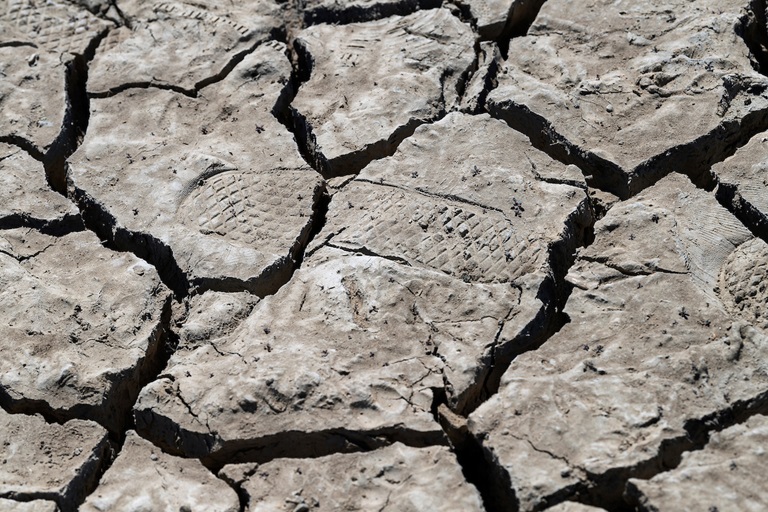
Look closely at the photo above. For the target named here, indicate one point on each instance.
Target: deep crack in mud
(383, 255)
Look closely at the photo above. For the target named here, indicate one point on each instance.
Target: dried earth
(458, 255)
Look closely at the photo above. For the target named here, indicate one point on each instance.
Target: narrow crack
(6, 404)
(489, 384)
(222, 353)
(114, 91)
(602, 202)
(490, 82)
(473, 69)
(555, 181)
(22, 259)
(629, 272)
(461, 84)
(193, 92)
(368, 252)
(180, 397)
(294, 444)
(301, 64)
(237, 486)
(319, 220)
(427, 193)
(61, 226)
(545, 452)
(14, 44)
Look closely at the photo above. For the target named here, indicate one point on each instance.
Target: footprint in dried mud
(745, 281)
(652, 360)
(205, 38)
(242, 335)
(211, 189)
(370, 323)
(39, 41)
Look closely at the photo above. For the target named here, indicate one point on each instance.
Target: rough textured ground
(399, 255)
(717, 477)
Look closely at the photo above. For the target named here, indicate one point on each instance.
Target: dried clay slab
(82, 327)
(48, 461)
(32, 97)
(26, 199)
(632, 91)
(142, 477)
(373, 328)
(394, 478)
(38, 41)
(655, 349)
(28, 506)
(371, 84)
(183, 45)
(211, 189)
(727, 474)
(572, 506)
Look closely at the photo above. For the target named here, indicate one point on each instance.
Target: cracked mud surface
(383, 255)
